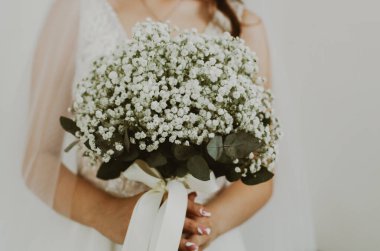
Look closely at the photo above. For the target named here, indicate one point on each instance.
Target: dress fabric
(100, 31)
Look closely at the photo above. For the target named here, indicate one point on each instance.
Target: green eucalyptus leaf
(155, 159)
(215, 147)
(231, 175)
(198, 167)
(182, 152)
(259, 177)
(181, 171)
(225, 159)
(130, 155)
(72, 144)
(87, 144)
(167, 171)
(111, 169)
(68, 125)
(166, 149)
(104, 145)
(239, 145)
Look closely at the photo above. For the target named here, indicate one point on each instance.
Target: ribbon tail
(140, 227)
(169, 223)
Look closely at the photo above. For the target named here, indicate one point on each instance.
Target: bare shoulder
(116, 5)
(250, 18)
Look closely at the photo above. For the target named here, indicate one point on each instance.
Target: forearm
(237, 203)
(78, 199)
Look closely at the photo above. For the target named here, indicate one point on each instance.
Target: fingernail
(204, 213)
(200, 230)
(208, 230)
(204, 230)
(191, 246)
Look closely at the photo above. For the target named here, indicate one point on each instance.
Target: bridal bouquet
(185, 104)
(174, 112)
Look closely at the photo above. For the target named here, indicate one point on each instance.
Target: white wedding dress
(100, 31)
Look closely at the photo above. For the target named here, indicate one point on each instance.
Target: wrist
(100, 210)
(112, 208)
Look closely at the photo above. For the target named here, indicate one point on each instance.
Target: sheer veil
(33, 142)
(51, 77)
(284, 224)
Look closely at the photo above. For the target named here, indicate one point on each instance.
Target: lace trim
(115, 18)
(97, 33)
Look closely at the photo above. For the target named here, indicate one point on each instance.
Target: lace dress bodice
(100, 32)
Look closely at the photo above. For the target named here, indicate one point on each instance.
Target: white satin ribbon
(155, 228)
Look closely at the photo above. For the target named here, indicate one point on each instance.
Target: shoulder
(250, 18)
(245, 16)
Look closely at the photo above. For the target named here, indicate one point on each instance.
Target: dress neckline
(117, 22)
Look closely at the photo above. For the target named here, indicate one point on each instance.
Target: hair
(227, 10)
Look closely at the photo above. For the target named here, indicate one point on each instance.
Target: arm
(231, 207)
(51, 78)
(230, 202)
(92, 206)
(255, 36)
(238, 202)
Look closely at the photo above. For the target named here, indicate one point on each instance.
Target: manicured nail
(204, 230)
(208, 230)
(191, 246)
(200, 230)
(204, 213)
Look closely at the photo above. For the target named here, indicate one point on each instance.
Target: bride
(75, 33)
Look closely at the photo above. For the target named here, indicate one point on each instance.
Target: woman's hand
(199, 229)
(112, 217)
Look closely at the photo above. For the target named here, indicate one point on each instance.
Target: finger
(192, 227)
(197, 209)
(186, 245)
(200, 241)
(192, 196)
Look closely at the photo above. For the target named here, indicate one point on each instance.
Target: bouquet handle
(153, 227)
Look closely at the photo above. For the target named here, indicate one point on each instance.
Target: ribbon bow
(159, 228)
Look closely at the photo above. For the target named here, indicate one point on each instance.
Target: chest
(183, 14)
(102, 29)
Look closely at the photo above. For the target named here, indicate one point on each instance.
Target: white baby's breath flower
(184, 89)
(142, 146)
(119, 146)
(113, 75)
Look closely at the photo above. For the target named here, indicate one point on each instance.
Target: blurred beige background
(332, 49)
